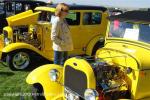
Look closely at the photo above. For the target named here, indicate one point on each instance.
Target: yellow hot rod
(27, 36)
(120, 70)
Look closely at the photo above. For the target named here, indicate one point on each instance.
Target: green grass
(13, 84)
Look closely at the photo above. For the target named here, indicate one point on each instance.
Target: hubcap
(21, 60)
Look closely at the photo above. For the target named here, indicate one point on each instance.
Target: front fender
(52, 90)
(16, 46)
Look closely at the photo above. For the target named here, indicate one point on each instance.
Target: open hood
(126, 53)
(116, 57)
(25, 18)
(44, 8)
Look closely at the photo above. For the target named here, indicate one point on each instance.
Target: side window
(91, 18)
(45, 16)
(73, 18)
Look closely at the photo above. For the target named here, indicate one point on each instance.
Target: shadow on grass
(33, 65)
(3, 63)
(7, 73)
(37, 64)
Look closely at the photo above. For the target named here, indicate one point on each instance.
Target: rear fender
(92, 43)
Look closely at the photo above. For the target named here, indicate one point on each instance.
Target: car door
(91, 26)
(73, 20)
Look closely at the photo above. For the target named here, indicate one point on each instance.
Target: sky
(110, 3)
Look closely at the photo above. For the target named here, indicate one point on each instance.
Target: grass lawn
(13, 85)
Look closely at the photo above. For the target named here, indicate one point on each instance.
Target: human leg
(64, 57)
(57, 57)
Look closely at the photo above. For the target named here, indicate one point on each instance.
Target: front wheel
(18, 60)
(37, 92)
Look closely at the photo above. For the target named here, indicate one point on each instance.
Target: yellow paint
(1, 44)
(18, 16)
(123, 53)
(9, 31)
(52, 90)
(15, 46)
(102, 35)
(41, 75)
(91, 45)
(43, 8)
(83, 66)
(133, 54)
(25, 18)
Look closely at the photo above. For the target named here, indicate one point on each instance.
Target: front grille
(75, 80)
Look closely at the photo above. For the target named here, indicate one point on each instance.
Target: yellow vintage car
(119, 71)
(27, 36)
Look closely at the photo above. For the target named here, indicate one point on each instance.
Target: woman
(60, 35)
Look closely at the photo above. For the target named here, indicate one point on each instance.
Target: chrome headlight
(90, 94)
(6, 39)
(53, 75)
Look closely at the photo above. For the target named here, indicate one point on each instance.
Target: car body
(120, 70)
(12, 7)
(30, 32)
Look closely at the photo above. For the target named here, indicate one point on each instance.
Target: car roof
(83, 7)
(26, 1)
(132, 16)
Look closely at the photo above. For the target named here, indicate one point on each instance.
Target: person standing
(60, 34)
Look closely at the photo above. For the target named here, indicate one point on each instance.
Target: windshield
(45, 16)
(132, 31)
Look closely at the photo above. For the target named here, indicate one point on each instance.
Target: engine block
(110, 79)
(21, 34)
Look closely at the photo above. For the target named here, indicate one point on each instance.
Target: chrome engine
(111, 80)
(22, 34)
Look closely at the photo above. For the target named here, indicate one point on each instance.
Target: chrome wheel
(21, 60)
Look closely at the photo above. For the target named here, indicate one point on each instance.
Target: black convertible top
(132, 16)
(83, 7)
(26, 2)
